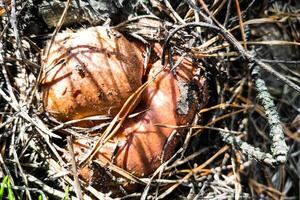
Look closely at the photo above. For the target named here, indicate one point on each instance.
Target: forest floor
(245, 144)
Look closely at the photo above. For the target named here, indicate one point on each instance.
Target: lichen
(188, 95)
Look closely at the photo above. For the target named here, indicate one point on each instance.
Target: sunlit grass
(6, 182)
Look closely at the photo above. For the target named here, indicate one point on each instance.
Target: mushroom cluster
(94, 71)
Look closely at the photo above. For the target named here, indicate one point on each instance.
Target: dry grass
(204, 166)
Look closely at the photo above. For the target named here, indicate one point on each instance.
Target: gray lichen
(188, 95)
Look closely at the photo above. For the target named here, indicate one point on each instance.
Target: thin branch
(279, 148)
(247, 149)
(231, 39)
(74, 169)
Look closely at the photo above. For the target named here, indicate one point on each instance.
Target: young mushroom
(110, 63)
(90, 72)
(171, 100)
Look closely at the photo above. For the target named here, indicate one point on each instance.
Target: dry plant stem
(237, 182)
(17, 162)
(218, 7)
(6, 170)
(72, 122)
(44, 131)
(231, 39)
(228, 9)
(13, 21)
(162, 155)
(47, 188)
(146, 26)
(260, 87)
(46, 53)
(247, 149)
(192, 172)
(64, 174)
(176, 15)
(157, 172)
(279, 148)
(97, 195)
(246, 54)
(120, 171)
(241, 23)
(35, 190)
(60, 23)
(193, 5)
(20, 56)
(145, 8)
(188, 137)
(74, 169)
(186, 159)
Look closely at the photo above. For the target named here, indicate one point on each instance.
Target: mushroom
(144, 141)
(90, 72)
(110, 70)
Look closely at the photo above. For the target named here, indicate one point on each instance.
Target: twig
(74, 169)
(279, 148)
(30, 189)
(230, 38)
(6, 170)
(157, 172)
(47, 51)
(248, 149)
(48, 189)
(241, 23)
(176, 15)
(97, 194)
(41, 128)
(13, 21)
(16, 159)
(189, 175)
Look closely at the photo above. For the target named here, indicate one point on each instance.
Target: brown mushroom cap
(91, 72)
(169, 100)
